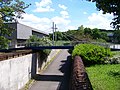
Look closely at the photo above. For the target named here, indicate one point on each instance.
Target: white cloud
(62, 23)
(43, 6)
(64, 14)
(34, 19)
(45, 24)
(71, 27)
(84, 12)
(36, 22)
(99, 20)
(62, 6)
(60, 20)
(43, 3)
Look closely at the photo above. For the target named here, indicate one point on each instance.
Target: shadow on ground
(65, 68)
(56, 78)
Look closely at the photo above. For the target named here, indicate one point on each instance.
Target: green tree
(70, 34)
(10, 10)
(104, 36)
(87, 31)
(81, 28)
(34, 40)
(116, 36)
(96, 33)
(110, 6)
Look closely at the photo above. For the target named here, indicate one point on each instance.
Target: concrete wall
(23, 31)
(40, 35)
(16, 72)
(51, 56)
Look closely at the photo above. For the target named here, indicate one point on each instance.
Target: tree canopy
(116, 36)
(10, 10)
(110, 6)
(82, 34)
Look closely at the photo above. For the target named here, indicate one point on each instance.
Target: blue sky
(67, 14)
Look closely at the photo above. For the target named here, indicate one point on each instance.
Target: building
(22, 32)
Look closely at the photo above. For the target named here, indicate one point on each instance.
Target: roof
(33, 29)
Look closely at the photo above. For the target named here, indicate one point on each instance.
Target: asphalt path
(56, 76)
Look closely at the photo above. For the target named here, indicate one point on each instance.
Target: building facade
(22, 32)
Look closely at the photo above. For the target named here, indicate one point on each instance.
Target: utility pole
(53, 33)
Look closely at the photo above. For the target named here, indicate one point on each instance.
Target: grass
(116, 53)
(104, 77)
(28, 84)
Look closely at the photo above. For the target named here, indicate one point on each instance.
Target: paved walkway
(56, 76)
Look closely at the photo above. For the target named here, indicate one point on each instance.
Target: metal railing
(64, 43)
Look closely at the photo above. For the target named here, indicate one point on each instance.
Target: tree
(81, 28)
(35, 40)
(110, 6)
(87, 31)
(116, 36)
(104, 36)
(10, 10)
(96, 34)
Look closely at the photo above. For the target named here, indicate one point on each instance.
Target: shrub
(37, 41)
(91, 54)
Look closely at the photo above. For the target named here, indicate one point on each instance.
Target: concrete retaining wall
(16, 72)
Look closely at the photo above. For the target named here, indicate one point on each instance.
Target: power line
(71, 36)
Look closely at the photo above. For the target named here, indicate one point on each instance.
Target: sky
(67, 15)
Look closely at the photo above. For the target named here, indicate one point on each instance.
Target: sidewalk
(56, 76)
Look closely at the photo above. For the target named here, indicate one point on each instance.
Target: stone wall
(79, 78)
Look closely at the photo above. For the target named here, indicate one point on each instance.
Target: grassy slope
(104, 77)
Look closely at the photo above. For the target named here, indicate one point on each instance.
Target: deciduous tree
(10, 10)
(110, 6)
(116, 36)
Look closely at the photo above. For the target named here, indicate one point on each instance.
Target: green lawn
(104, 77)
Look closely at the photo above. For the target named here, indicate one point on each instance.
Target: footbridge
(66, 45)
(37, 48)
(40, 46)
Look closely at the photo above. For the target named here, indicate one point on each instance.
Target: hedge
(91, 54)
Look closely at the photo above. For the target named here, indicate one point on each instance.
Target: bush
(37, 41)
(34, 40)
(91, 54)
